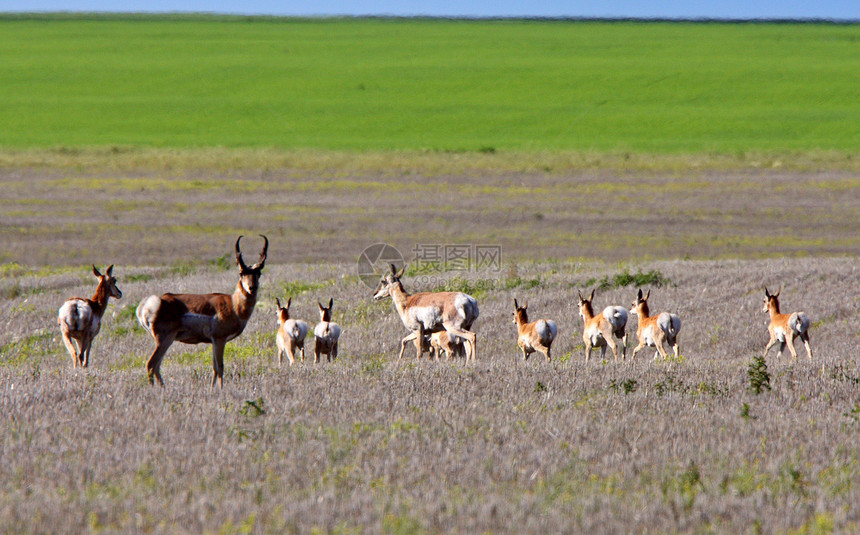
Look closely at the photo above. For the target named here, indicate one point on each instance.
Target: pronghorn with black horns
(429, 312)
(80, 318)
(599, 330)
(784, 328)
(214, 318)
(655, 330)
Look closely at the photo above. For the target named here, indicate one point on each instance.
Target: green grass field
(413, 85)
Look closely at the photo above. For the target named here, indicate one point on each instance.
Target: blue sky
(735, 9)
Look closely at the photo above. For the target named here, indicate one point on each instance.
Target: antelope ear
(96, 271)
(110, 271)
(592, 296)
(778, 291)
(639, 295)
(400, 273)
(580, 296)
(525, 304)
(320, 305)
(516, 306)
(393, 270)
(766, 293)
(278, 302)
(647, 295)
(289, 300)
(330, 302)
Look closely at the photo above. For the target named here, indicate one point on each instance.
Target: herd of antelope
(437, 322)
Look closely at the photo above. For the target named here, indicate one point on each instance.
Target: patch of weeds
(565, 357)
(670, 384)
(183, 267)
(820, 523)
(519, 282)
(853, 413)
(294, 288)
(745, 412)
(540, 387)
(628, 387)
(223, 262)
(30, 350)
(373, 366)
(685, 486)
(625, 278)
(758, 375)
(253, 408)
(839, 373)
(138, 277)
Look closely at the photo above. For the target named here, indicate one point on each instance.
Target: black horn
(262, 261)
(239, 260)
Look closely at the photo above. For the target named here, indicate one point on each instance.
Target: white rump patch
(76, 315)
(147, 310)
(333, 331)
(798, 322)
(616, 316)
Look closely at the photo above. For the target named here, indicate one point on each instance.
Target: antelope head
(389, 281)
(641, 303)
(521, 317)
(325, 312)
(249, 277)
(283, 312)
(108, 282)
(585, 304)
(771, 300)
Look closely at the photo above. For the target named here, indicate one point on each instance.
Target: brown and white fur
(80, 318)
(784, 328)
(213, 318)
(535, 336)
(326, 334)
(430, 312)
(291, 334)
(654, 331)
(451, 344)
(598, 330)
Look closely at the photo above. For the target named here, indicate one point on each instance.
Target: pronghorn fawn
(450, 344)
(654, 331)
(599, 330)
(429, 312)
(326, 334)
(213, 318)
(784, 328)
(535, 336)
(80, 318)
(291, 334)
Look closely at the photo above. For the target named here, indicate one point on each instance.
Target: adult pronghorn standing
(201, 318)
(599, 330)
(80, 318)
(429, 312)
(535, 336)
(655, 330)
(783, 328)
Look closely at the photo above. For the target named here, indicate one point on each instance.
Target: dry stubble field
(368, 444)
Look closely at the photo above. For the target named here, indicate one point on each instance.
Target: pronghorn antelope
(451, 344)
(291, 334)
(535, 336)
(326, 334)
(429, 312)
(599, 330)
(655, 330)
(80, 318)
(783, 328)
(214, 318)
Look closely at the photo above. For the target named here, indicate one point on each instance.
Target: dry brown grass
(368, 444)
(59, 218)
